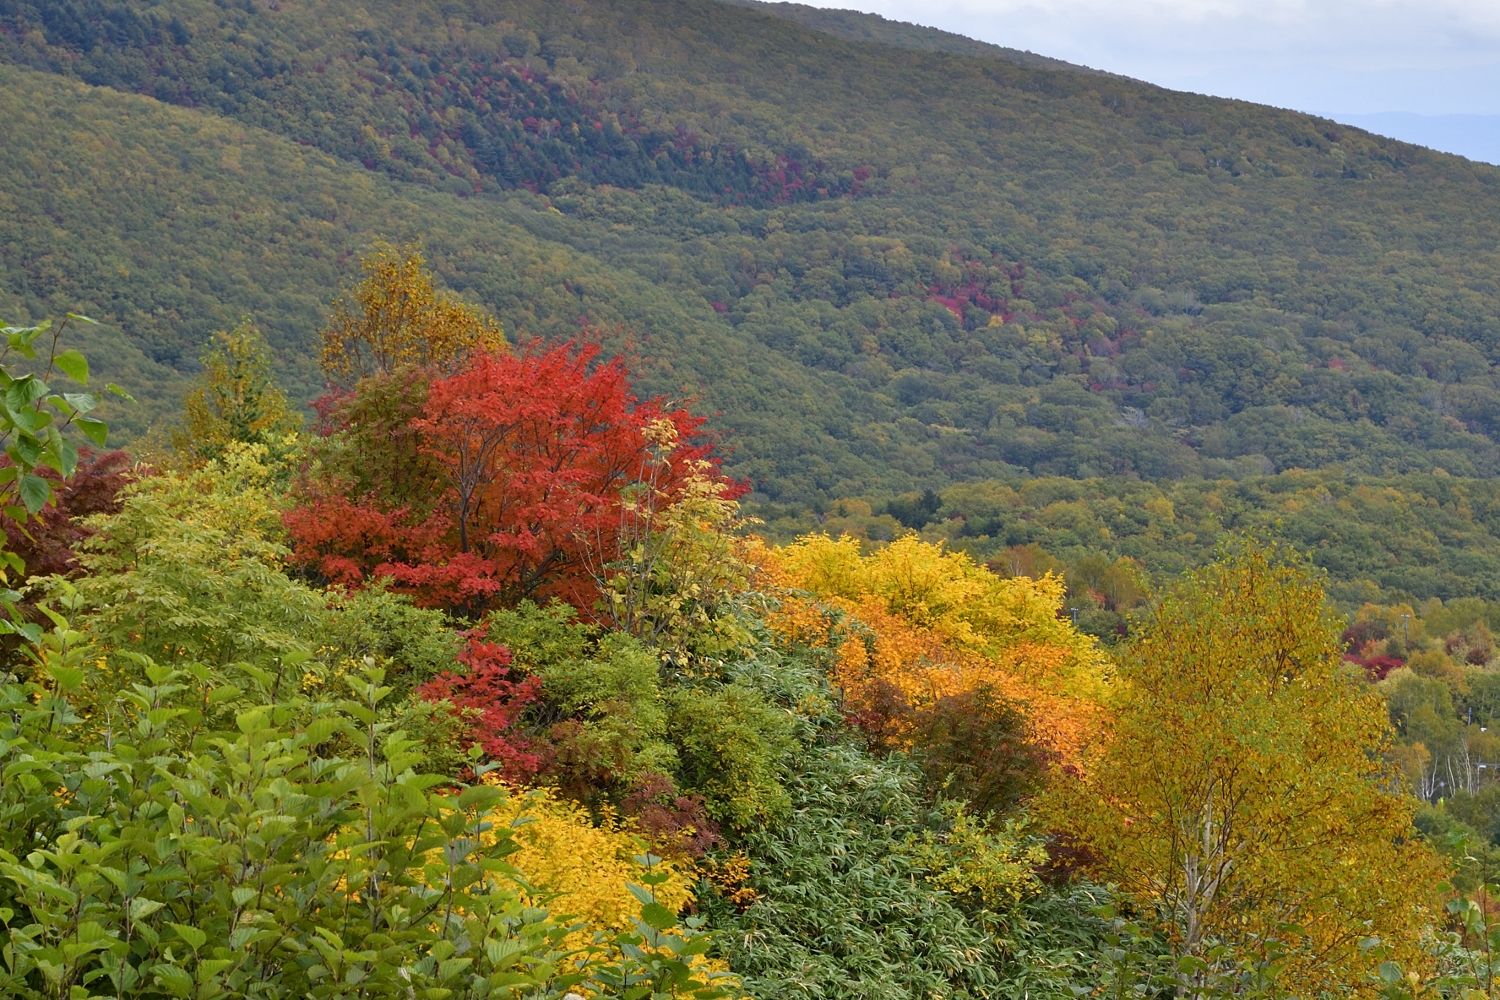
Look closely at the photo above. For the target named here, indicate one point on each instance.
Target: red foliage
(48, 544)
(349, 541)
(669, 818)
(1376, 668)
(493, 697)
(529, 454)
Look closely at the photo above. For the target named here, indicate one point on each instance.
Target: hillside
(883, 267)
(1111, 608)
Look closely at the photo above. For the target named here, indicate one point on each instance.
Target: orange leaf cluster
(929, 625)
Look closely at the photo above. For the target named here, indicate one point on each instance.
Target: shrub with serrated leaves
(733, 745)
(415, 644)
(191, 567)
(616, 726)
(214, 832)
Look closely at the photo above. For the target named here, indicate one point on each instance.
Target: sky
(1331, 57)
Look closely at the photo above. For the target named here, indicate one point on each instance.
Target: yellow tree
(395, 318)
(937, 626)
(234, 400)
(1245, 795)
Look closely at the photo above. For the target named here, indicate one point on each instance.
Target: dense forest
(881, 259)
(486, 688)
(707, 498)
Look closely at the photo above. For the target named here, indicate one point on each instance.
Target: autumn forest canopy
(714, 499)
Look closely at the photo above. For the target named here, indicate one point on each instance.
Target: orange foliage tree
(926, 629)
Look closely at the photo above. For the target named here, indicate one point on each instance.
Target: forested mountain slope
(885, 267)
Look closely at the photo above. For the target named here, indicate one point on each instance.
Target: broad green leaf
(194, 937)
(34, 491)
(140, 907)
(74, 365)
(658, 917)
(81, 402)
(94, 429)
(24, 391)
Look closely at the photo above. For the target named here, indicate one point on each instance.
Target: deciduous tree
(528, 458)
(936, 626)
(1246, 796)
(396, 318)
(235, 399)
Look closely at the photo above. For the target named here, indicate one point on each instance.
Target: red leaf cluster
(1376, 668)
(666, 816)
(529, 455)
(493, 696)
(48, 544)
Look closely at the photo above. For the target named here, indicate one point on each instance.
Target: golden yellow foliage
(583, 870)
(803, 621)
(396, 318)
(937, 624)
(1247, 796)
(731, 876)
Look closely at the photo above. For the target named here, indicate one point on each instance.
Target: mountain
(884, 258)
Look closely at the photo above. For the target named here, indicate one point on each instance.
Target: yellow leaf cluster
(582, 870)
(731, 876)
(937, 624)
(802, 621)
(1245, 794)
(395, 318)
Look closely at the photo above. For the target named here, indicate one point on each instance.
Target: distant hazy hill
(1474, 136)
(887, 258)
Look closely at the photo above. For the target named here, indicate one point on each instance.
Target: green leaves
(33, 418)
(34, 492)
(94, 429)
(215, 831)
(72, 364)
(837, 888)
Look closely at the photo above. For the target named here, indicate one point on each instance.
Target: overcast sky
(1324, 56)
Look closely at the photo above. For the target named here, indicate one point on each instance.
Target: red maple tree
(529, 458)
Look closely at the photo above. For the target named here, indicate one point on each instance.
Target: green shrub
(214, 832)
(843, 909)
(733, 746)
